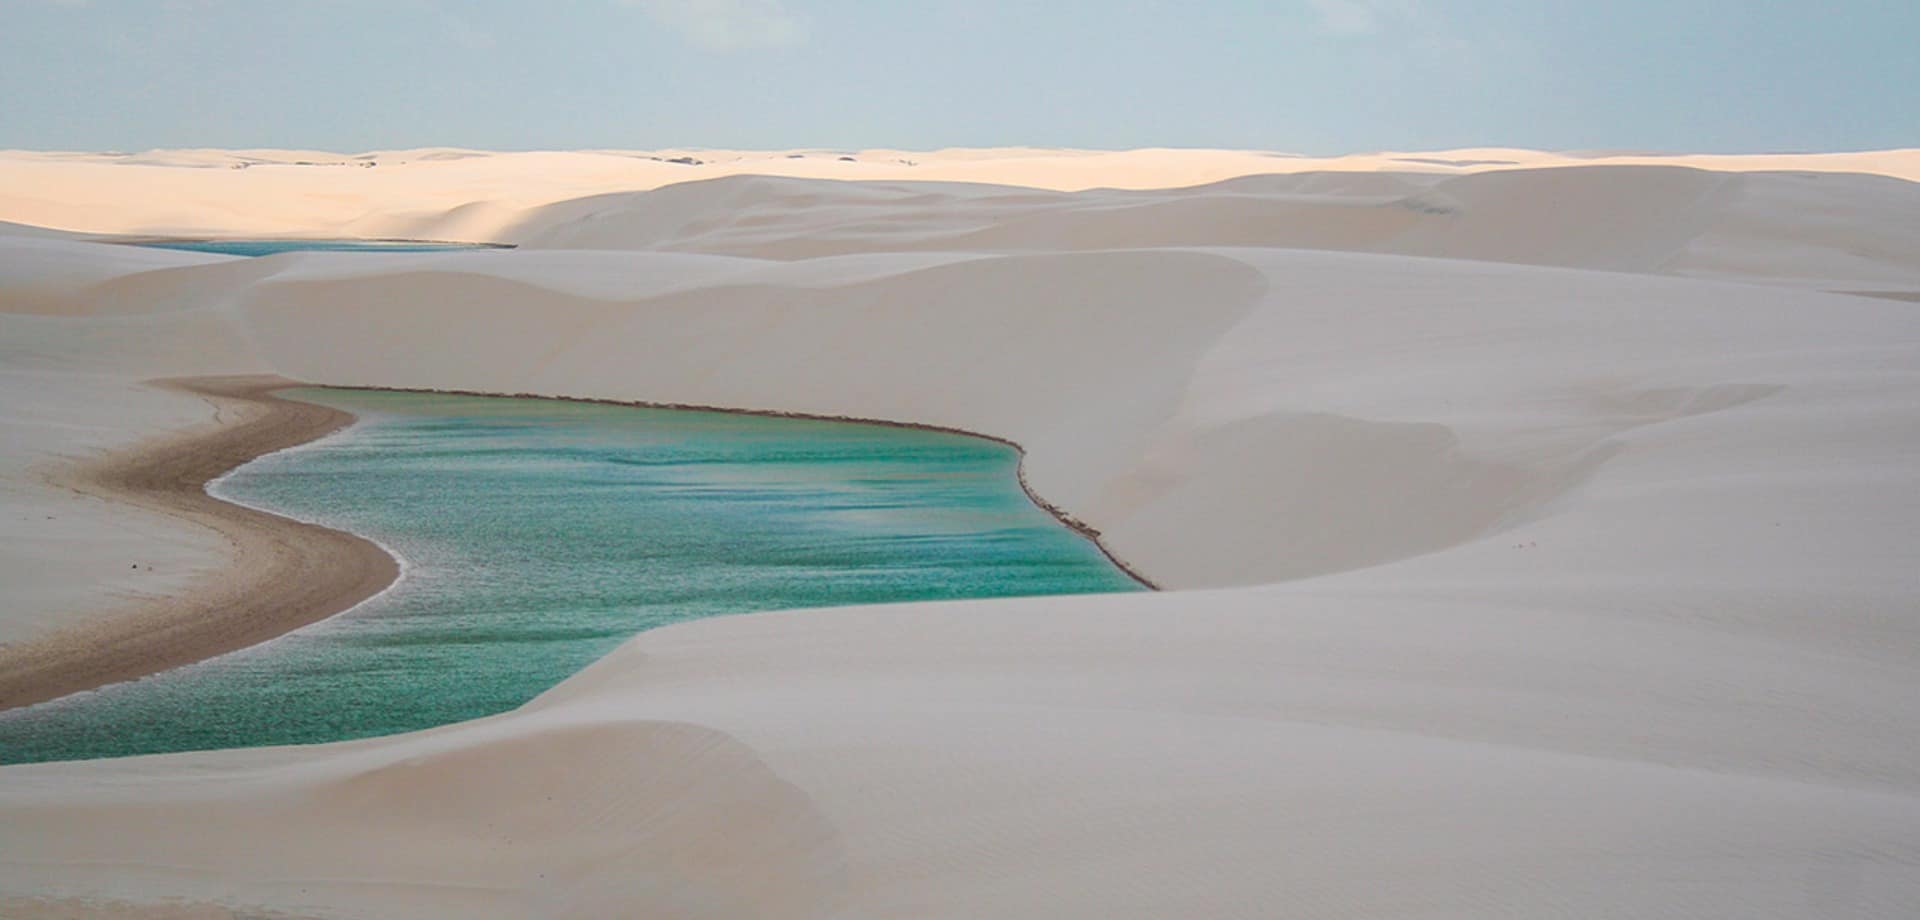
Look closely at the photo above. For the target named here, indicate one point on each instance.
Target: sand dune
(1540, 529)
(1666, 220)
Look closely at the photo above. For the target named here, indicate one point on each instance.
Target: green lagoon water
(275, 247)
(540, 534)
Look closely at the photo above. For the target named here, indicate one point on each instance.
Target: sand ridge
(283, 573)
(1537, 533)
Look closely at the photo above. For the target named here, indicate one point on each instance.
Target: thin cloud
(1364, 17)
(1409, 25)
(1346, 17)
(466, 35)
(728, 25)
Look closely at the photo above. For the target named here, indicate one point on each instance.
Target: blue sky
(1309, 76)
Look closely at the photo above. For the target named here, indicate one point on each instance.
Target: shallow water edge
(485, 625)
(1066, 518)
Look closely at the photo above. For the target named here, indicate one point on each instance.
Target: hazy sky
(1311, 76)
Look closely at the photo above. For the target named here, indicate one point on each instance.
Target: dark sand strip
(1908, 296)
(282, 574)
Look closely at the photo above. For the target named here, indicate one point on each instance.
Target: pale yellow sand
(1569, 573)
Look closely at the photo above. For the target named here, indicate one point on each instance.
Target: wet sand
(282, 574)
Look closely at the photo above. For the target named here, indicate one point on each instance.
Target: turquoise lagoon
(540, 534)
(274, 247)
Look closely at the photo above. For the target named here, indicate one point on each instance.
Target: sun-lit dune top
(293, 192)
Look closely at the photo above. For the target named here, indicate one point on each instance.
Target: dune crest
(1538, 530)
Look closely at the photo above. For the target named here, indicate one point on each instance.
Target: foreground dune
(1541, 538)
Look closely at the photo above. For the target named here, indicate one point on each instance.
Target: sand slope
(1541, 537)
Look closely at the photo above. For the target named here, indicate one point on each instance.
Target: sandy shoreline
(282, 574)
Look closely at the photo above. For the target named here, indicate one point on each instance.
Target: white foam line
(215, 489)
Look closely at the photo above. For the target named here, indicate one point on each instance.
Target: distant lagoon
(274, 247)
(540, 534)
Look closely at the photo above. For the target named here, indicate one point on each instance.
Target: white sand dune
(1540, 527)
